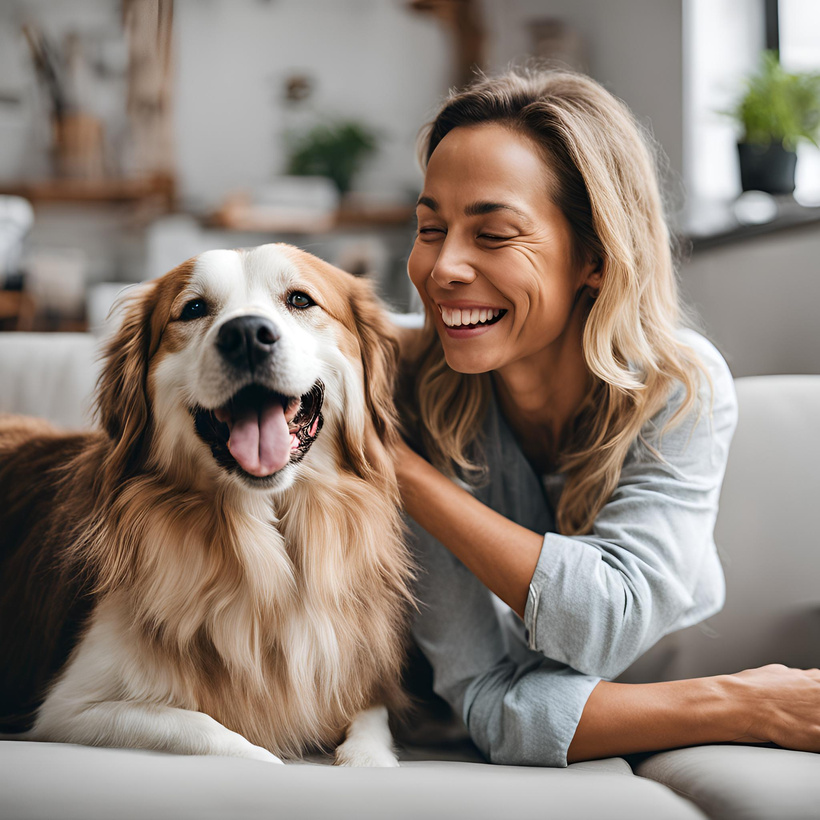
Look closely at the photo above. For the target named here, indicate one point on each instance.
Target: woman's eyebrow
(481, 208)
(475, 208)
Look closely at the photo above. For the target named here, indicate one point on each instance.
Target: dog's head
(237, 365)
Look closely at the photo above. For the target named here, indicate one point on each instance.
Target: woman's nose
(452, 267)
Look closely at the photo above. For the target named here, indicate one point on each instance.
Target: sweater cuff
(531, 608)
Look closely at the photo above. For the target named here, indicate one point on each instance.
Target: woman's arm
(546, 714)
(625, 718)
(499, 552)
(771, 704)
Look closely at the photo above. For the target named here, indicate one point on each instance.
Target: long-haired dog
(220, 569)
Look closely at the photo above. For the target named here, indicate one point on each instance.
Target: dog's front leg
(368, 741)
(138, 725)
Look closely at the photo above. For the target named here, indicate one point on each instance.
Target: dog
(221, 568)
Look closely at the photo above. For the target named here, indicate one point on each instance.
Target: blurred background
(137, 133)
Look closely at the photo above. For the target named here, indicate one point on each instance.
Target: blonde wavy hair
(605, 183)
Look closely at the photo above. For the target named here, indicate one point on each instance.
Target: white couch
(767, 533)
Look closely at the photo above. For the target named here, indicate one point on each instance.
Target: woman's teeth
(465, 317)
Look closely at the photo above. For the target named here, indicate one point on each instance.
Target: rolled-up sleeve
(596, 602)
(517, 713)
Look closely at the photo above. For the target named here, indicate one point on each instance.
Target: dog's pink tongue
(261, 443)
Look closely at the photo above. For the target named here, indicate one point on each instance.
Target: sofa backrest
(767, 536)
(49, 375)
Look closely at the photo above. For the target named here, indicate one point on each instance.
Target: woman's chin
(468, 362)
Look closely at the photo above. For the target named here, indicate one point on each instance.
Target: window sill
(712, 224)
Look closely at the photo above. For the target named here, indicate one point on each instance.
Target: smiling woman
(515, 250)
(555, 376)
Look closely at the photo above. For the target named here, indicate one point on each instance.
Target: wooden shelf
(238, 214)
(104, 190)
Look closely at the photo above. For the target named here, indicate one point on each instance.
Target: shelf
(101, 191)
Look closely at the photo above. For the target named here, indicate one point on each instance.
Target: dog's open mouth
(260, 431)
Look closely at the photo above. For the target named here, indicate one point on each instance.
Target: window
(722, 43)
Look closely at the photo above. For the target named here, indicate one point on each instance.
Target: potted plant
(335, 150)
(776, 112)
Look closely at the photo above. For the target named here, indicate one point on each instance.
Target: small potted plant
(335, 150)
(776, 112)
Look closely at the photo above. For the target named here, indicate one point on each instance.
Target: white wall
(760, 301)
(635, 49)
(373, 60)
(370, 59)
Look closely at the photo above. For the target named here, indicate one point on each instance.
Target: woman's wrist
(719, 710)
(733, 709)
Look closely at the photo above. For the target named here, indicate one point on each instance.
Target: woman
(553, 390)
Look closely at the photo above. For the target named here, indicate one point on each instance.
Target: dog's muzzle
(258, 431)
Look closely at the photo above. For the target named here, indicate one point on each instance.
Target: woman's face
(493, 259)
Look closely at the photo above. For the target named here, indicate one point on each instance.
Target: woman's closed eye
(431, 233)
(492, 237)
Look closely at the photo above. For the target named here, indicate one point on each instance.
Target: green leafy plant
(779, 106)
(336, 150)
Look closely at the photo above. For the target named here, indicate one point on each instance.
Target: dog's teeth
(474, 314)
(482, 316)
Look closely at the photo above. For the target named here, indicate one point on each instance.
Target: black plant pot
(768, 168)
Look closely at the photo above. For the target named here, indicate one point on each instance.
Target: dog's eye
(195, 309)
(298, 299)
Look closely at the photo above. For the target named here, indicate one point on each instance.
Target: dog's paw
(247, 751)
(258, 753)
(351, 753)
(225, 743)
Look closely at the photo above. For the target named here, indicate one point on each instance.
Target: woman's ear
(592, 276)
(594, 272)
(122, 402)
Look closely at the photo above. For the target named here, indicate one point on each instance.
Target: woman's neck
(540, 396)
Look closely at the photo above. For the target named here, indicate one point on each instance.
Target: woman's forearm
(499, 552)
(624, 718)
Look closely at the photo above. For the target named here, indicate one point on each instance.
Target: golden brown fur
(279, 615)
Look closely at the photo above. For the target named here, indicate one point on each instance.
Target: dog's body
(221, 569)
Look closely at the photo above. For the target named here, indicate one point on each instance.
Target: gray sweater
(596, 602)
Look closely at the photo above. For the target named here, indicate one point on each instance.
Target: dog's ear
(380, 354)
(122, 402)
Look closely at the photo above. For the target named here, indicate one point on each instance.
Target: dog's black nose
(247, 340)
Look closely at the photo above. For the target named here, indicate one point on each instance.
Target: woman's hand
(777, 704)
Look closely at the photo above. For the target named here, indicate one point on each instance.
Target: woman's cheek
(416, 266)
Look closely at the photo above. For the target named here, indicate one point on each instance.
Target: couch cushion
(60, 782)
(741, 782)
